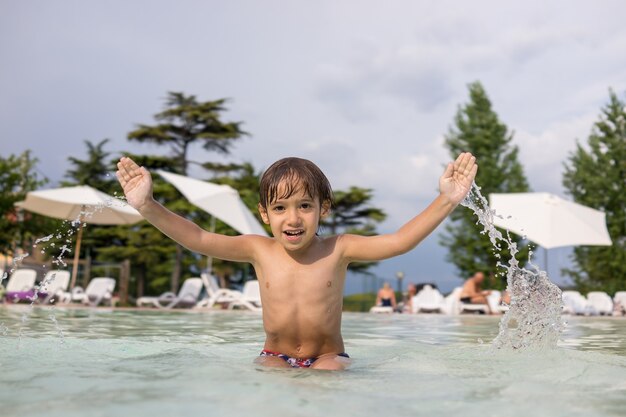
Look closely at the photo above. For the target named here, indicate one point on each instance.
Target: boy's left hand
(457, 179)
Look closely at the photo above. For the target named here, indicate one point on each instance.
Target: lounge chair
(494, 300)
(99, 290)
(600, 302)
(250, 297)
(187, 296)
(20, 285)
(52, 287)
(215, 294)
(619, 303)
(575, 303)
(454, 306)
(427, 300)
(381, 310)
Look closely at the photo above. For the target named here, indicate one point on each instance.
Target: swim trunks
(386, 302)
(296, 362)
(466, 299)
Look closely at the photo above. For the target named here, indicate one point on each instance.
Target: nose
(293, 217)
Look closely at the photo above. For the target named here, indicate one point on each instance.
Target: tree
(596, 177)
(353, 214)
(94, 171)
(18, 176)
(478, 130)
(186, 121)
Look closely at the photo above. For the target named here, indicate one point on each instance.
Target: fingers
(473, 172)
(127, 169)
(465, 163)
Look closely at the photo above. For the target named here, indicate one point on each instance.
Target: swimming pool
(144, 363)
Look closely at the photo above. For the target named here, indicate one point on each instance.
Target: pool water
(81, 362)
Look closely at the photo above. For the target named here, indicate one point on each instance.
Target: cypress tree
(595, 176)
(477, 129)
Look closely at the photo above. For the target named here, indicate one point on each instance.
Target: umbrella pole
(545, 258)
(76, 255)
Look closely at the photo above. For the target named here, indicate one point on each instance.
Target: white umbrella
(81, 204)
(220, 201)
(549, 220)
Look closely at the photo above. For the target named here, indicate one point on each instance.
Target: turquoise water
(142, 363)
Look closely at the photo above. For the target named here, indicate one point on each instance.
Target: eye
(278, 208)
(306, 206)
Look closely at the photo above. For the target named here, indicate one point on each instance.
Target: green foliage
(353, 214)
(185, 121)
(359, 302)
(478, 130)
(18, 176)
(93, 171)
(596, 177)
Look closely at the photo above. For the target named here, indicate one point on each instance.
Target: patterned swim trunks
(295, 362)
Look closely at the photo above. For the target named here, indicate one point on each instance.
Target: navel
(329, 284)
(267, 285)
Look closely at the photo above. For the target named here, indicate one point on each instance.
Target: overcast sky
(366, 89)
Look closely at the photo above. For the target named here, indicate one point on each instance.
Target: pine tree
(94, 171)
(478, 130)
(184, 122)
(596, 177)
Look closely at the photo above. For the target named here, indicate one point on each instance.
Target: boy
(301, 274)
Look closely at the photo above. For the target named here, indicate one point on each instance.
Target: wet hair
(297, 174)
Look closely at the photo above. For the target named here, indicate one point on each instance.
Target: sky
(365, 89)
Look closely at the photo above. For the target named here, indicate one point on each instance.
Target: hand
(457, 179)
(135, 181)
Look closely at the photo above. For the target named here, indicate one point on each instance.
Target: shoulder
(254, 243)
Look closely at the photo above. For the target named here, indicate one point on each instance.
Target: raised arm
(137, 185)
(454, 185)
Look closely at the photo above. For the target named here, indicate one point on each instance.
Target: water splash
(533, 320)
(63, 237)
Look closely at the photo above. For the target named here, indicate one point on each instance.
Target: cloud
(543, 153)
(410, 74)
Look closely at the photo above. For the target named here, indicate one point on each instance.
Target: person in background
(411, 291)
(473, 293)
(386, 297)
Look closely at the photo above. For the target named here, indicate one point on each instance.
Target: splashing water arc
(533, 320)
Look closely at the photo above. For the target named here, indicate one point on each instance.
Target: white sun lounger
(575, 303)
(381, 310)
(187, 296)
(20, 281)
(215, 294)
(98, 291)
(453, 305)
(55, 285)
(250, 297)
(600, 302)
(428, 300)
(619, 303)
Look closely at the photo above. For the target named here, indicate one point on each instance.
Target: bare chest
(281, 276)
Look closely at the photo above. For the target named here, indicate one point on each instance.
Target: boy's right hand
(135, 181)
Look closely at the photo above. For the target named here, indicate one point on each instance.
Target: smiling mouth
(293, 233)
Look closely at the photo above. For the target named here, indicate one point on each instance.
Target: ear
(263, 213)
(325, 210)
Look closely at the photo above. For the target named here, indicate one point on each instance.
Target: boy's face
(294, 220)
